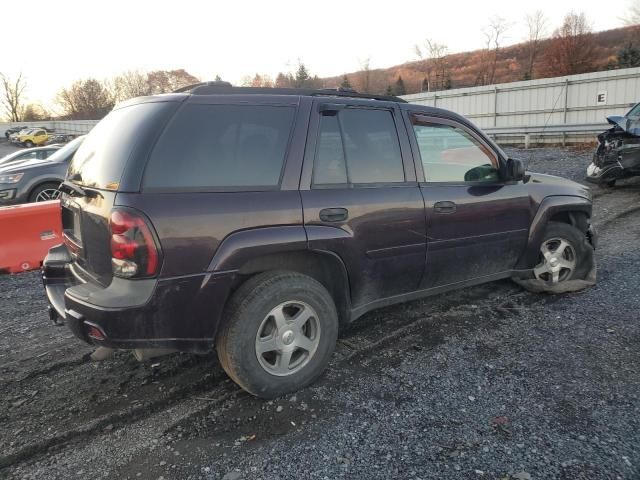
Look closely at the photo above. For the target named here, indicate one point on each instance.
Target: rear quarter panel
(191, 226)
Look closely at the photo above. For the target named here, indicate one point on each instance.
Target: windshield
(64, 153)
(11, 156)
(635, 111)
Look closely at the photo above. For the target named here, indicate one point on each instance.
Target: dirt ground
(491, 382)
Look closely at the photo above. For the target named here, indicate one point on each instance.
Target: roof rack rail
(189, 88)
(222, 88)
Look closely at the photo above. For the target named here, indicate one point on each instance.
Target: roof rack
(225, 88)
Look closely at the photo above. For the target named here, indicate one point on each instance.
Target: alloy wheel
(287, 338)
(48, 194)
(557, 261)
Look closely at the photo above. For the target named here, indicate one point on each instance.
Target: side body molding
(549, 207)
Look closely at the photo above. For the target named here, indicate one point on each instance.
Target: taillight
(133, 249)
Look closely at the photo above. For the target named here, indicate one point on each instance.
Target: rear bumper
(180, 312)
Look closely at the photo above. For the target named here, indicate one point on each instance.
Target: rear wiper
(72, 189)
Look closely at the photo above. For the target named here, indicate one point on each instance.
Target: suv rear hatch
(110, 160)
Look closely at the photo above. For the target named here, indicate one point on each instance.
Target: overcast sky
(55, 43)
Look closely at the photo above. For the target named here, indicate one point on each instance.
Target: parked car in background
(9, 131)
(59, 138)
(36, 153)
(13, 138)
(618, 153)
(260, 221)
(33, 179)
(31, 138)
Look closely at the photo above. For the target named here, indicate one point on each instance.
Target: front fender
(548, 208)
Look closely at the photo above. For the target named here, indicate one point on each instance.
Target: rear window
(217, 147)
(101, 159)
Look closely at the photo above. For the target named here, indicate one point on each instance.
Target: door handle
(334, 214)
(444, 207)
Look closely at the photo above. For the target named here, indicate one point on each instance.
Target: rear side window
(212, 147)
(101, 159)
(358, 146)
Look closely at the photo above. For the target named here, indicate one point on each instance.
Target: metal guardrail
(545, 134)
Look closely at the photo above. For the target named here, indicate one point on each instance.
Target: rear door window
(218, 147)
(358, 146)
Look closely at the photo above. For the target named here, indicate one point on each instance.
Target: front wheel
(45, 192)
(565, 261)
(279, 331)
(28, 144)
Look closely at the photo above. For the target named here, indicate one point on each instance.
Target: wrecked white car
(618, 152)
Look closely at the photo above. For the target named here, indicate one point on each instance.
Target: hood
(21, 165)
(563, 186)
(626, 124)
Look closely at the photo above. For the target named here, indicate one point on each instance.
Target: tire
(562, 269)
(248, 315)
(610, 183)
(38, 194)
(28, 144)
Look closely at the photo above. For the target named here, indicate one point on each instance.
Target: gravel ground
(490, 383)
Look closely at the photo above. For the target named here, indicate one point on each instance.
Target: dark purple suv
(259, 221)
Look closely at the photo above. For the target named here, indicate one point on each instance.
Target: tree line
(567, 50)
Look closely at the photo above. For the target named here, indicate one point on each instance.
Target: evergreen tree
(629, 56)
(389, 90)
(302, 76)
(345, 82)
(218, 78)
(399, 87)
(425, 85)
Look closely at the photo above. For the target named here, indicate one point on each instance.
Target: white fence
(566, 109)
(74, 127)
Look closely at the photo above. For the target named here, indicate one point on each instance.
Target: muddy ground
(490, 383)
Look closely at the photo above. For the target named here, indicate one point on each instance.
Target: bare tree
(494, 34)
(34, 112)
(571, 49)
(12, 96)
(435, 64)
(536, 23)
(632, 16)
(86, 99)
(257, 80)
(365, 75)
(128, 85)
(166, 81)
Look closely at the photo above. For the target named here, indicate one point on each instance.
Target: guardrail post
(527, 139)
(495, 106)
(566, 99)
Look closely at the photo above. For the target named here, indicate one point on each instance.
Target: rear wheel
(44, 192)
(279, 331)
(28, 144)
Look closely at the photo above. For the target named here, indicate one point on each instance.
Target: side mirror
(515, 170)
